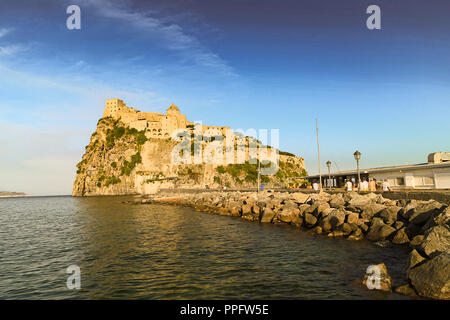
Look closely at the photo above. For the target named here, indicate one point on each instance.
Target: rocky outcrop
(120, 160)
(432, 277)
(422, 225)
(436, 240)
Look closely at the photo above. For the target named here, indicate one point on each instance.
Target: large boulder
(408, 207)
(352, 217)
(300, 198)
(333, 219)
(347, 228)
(439, 219)
(326, 212)
(246, 209)
(267, 215)
(436, 239)
(431, 279)
(235, 211)
(413, 230)
(398, 225)
(359, 203)
(272, 203)
(348, 196)
(322, 196)
(443, 218)
(310, 220)
(381, 200)
(250, 211)
(379, 231)
(414, 259)
(317, 208)
(325, 224)
(422, 213)
(370, 210)
(389, 214)
(357, 234)
(288, 213)
(317, 230)
(337, 201)
(406, 290)
(417, 240)
(336, 218)
(297, 221)
(303, 208)
(377, 278)
(400, 237)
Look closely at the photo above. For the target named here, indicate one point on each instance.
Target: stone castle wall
(156, 125)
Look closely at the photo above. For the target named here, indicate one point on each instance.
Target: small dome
(173, 109)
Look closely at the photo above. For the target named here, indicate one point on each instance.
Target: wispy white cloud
(11, 50)
(4, 31)
(173, 36)
(46, 135)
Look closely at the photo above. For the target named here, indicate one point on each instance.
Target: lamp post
(357, 156)
(329, 173)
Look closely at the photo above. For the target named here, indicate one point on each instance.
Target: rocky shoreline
(424, 226)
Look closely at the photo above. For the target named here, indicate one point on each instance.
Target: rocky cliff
(120, 160)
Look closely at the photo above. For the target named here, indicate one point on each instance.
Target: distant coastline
(5, 194)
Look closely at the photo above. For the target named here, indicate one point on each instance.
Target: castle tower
(173, 110)
(113, 107)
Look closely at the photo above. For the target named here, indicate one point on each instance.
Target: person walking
(364, 185)
(386, 185)
(372, 185)
(316, 186)
(348, 185)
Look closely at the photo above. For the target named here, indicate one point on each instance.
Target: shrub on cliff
(118, 132)
(128, 166)
(112, 180)
(220, 169)
(141, 138)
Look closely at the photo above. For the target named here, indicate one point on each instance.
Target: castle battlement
(155, 125)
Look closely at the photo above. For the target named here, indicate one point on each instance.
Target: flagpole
(318, 156)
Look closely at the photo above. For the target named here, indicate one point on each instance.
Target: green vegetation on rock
(112, 180)
(128, 166)
(118, 131)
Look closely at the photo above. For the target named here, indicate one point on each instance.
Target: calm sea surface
(165, 252)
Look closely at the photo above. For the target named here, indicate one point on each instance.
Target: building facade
(434, 174)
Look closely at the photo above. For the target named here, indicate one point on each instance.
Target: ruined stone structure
(156, 125)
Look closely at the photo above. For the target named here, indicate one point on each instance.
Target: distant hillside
(6, 194)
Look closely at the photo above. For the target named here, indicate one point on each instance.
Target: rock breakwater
(422, 225)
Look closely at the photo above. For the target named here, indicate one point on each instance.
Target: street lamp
(357, 155)
(329, 174)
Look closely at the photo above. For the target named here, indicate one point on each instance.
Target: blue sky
(244, 64)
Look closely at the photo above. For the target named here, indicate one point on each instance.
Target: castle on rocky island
(156, 125)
